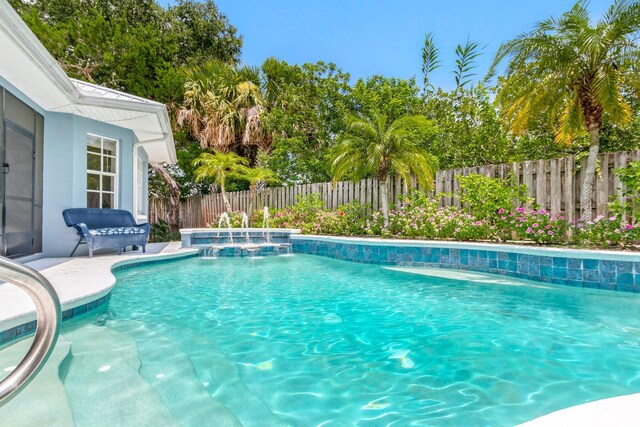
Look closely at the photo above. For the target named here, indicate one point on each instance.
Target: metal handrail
(49, 317)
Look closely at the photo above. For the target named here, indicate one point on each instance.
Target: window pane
(93, 162)
(93, 182)
(109, 164)
(107, 200)
(93, 200)
(109, 147)
(108, 183)
(93, 144)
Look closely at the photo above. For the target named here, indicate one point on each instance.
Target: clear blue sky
(366, 37)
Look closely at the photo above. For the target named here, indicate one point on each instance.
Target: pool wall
(615, 271)
(203, 237)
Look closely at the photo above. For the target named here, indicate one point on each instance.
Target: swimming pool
(306, 340)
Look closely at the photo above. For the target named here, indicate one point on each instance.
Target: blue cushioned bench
(106, 228)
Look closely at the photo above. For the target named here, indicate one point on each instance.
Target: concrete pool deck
(80, 280)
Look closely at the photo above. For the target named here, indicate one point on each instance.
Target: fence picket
(553, 183)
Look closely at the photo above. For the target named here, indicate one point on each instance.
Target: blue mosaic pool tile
(560, 273)
(574, 274)
(624, 279)
(546, 271)
(8, 335)
(624, 267)
(80, 310)
(559, 270)
(560, 262)
(624, 288)
(607, 266)
(546, 261)
(591, 275)
(574, 263)
(25, 329)
(607, 278)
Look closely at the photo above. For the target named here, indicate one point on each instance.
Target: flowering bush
(605, 231)
(420, 217)
(423, 218)
(538, 226)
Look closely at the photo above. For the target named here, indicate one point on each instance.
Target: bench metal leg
(74, 249)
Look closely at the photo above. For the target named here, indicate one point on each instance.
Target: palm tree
(256, 176)
(218, 166)
(573, 72)
(371, 146)
(222, 108)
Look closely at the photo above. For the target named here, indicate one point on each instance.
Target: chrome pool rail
(48, 313)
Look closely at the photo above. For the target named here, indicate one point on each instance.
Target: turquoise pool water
(306, 340)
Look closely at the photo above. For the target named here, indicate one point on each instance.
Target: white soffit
(28, 66)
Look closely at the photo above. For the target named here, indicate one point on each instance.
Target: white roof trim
(63, 94)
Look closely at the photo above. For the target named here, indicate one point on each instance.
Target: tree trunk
(227, 205)
(175, 222)
(383, 186)
(589, 174)
(252, 194)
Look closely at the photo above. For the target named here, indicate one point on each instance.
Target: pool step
(44, 401)
(223, 382)
(104, 385)
(168, 369)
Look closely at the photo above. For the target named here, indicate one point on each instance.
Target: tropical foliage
(573, 73)
(219, 166)
(373, 146)
(570, 86)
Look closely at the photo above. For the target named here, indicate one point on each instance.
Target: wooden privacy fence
(553, 184)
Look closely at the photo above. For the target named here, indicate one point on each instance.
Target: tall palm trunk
(174, 197)
(589, 173)
(383, 186)
(252, 194)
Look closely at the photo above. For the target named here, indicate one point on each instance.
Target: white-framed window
(140, 193)
(102, 172)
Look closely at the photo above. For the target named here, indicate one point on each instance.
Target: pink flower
(549, 232)
(521, 210)
(629, 226)
(540, 231)
(500, 211)
(542, 211)
(535, 225)
(529, 230)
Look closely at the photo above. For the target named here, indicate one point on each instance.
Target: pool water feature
(306, 340)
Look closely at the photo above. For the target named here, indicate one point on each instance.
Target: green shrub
(483, 196)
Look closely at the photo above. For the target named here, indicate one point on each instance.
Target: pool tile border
(549, 267)
(25, 329)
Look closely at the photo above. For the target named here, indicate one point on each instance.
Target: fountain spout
(224, 217)
(245, 224)
(265, 224)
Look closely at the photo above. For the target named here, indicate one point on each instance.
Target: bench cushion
(107, 231)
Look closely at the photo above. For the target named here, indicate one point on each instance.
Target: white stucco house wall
(66, 144)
